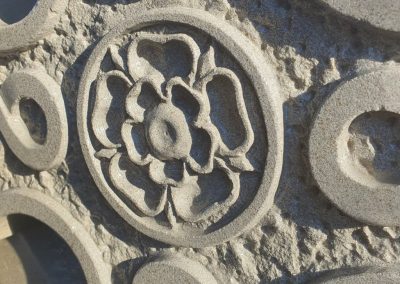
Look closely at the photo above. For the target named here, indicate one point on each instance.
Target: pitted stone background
(312, 49)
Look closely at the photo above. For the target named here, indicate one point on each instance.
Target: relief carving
(170, 133)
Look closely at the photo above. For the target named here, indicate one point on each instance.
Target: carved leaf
(116, 58)
(206, 63)
(241, 164)
(105, 153)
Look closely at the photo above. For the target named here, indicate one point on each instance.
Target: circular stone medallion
(181, 127)
(346, 165)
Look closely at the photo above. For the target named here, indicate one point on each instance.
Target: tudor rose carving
(166, 128)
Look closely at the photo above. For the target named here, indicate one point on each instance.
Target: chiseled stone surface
(361, 275)
(38, 19)
(310, 51)
(383, 14)
(169, 269)
(349, 181)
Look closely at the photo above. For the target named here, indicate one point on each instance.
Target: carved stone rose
(181, 126)
(167, 115)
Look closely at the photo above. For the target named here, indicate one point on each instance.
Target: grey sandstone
(27, 31)
(209, 141)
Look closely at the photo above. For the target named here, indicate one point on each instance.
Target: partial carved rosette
(168, 113)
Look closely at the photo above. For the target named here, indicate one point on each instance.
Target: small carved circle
(344, 161)
(170, 106)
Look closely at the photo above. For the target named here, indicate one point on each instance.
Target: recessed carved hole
(37, 254)
(185, 101)
(171, 59)
(116, 114)
(214, 188)
(374, 145)
(147, 97)
(145, 189)
(224, 111)
(174, 169)
(201, 146)
(35, 120)
(139, 139)
(13, 11)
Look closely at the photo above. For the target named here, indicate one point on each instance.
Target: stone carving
(168, 133)
(347, 181)
(170, 269)
(361, 275)
(43, 208)
(382, 14)
(34, 85)
(23, 23)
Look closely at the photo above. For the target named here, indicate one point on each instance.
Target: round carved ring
(44, 209)
(348, 185)
(181, 125)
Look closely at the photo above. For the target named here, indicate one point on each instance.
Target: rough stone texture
(171, 268)
(383, 14)
(24, 24)
(311, 50)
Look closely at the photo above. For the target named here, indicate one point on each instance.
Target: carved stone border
(33, 27)
(365, 199)
(259, 73)
(43, 208)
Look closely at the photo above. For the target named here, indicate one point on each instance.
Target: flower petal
(228, 111)
(133, 135)
(135, 186)
(206, 195)
(204, 146)
(196, 108)
(142, 97)
(167, 173)
(163, 56)
(108, 112)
